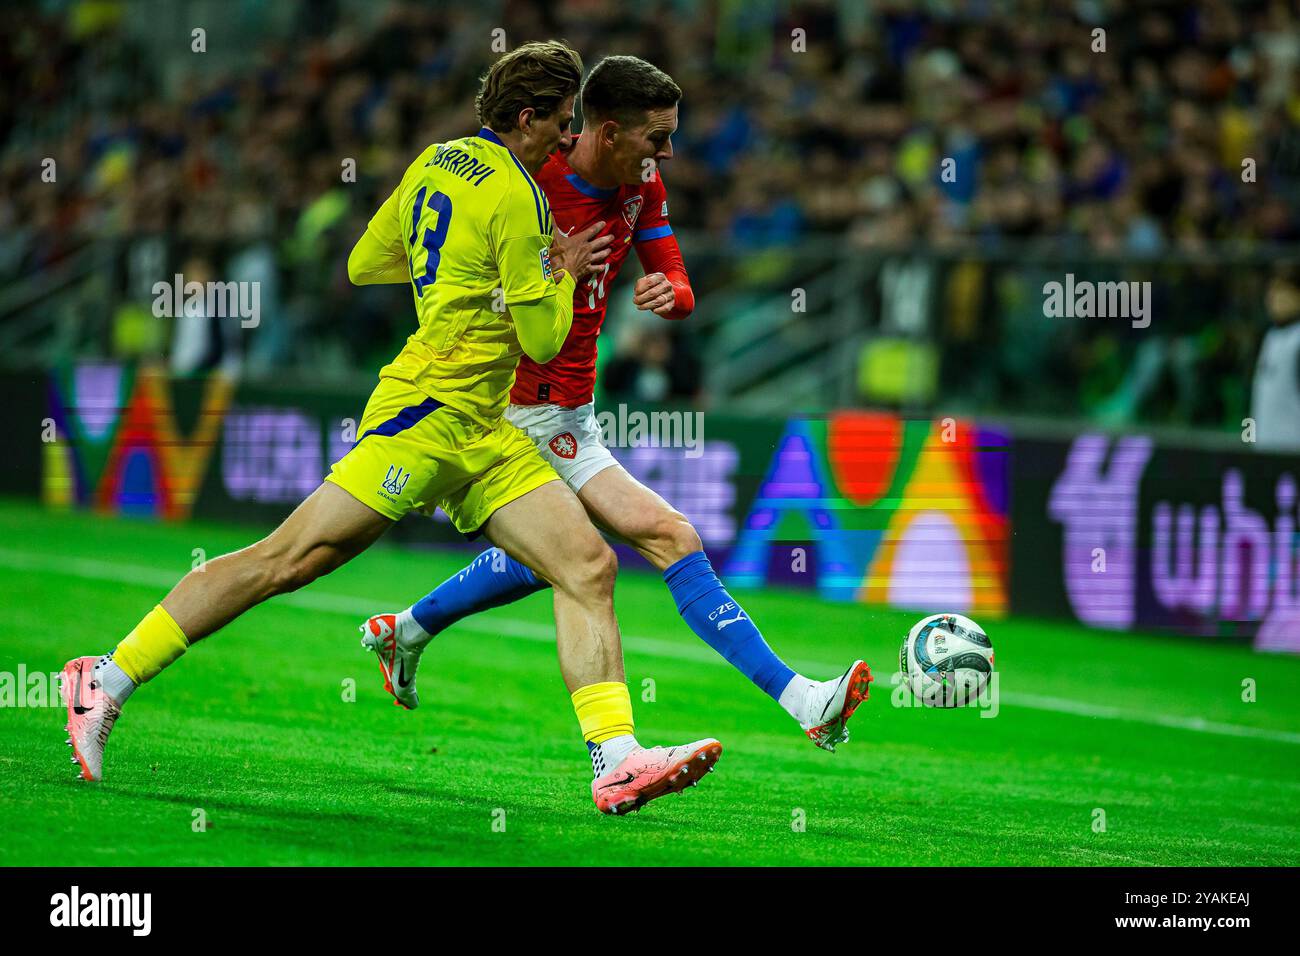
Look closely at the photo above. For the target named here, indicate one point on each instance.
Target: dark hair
(623, 88)
(539, 75)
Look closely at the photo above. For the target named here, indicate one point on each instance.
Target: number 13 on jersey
(434, 236)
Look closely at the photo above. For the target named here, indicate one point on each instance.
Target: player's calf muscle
(323, 533)
(281, 571)
(210, 597)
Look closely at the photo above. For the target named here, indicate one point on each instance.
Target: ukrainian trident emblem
(395, 480)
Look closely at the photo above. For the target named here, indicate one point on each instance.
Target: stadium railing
(807, 327)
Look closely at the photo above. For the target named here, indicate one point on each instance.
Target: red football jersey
(633, 214)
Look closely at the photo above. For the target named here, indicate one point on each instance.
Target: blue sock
(490, 580)
(723, 624)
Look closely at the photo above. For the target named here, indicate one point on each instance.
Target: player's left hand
(654, 293)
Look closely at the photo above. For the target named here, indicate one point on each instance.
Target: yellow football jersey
(466, 220)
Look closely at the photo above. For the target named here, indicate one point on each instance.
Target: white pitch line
(359, 607)
(1061, 705)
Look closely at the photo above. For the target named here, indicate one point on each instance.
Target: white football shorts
(568, 438)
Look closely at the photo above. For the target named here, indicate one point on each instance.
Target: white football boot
(829, 704)
(397, 662)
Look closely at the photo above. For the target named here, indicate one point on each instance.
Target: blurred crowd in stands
(1174, 131)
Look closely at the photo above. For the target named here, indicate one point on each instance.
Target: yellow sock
(604, 711)
(156, 642)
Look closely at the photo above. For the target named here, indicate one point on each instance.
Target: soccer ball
(946, 660)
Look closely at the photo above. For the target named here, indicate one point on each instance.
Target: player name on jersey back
(460, 163)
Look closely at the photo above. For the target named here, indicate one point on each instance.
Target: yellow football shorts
(414, 453)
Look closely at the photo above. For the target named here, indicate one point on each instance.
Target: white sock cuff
(609, 754)
(409, 631)
(116, 682)
(794, 698)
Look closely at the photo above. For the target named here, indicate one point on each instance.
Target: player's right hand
(581, 253)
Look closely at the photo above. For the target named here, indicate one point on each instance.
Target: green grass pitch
(254, 728)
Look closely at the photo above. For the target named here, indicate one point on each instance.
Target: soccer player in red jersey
(610, 176)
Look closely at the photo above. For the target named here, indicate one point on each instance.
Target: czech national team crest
(631, 209)
(564, 445)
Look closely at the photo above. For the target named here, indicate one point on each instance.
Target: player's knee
(675, 535)
(600, 570)
(592, 571)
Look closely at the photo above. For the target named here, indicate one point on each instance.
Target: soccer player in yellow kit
(471, 230)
